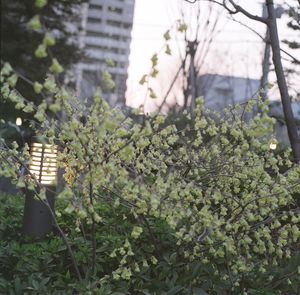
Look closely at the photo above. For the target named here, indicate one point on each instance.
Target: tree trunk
(265, 67)
(284, 94)
(192, 46)
(193, 85)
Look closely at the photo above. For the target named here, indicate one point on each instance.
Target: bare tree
(266, 60)
(270, 21)
(198, 41)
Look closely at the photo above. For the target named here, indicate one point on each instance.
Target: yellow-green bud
(40, 3)
(35, 23)
(38, 87)
(41, 51)
(48, 40)
(56, 68)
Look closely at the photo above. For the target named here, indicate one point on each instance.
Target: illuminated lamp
(42, 167)
(273, 144)
(19, 121)
(43, 163)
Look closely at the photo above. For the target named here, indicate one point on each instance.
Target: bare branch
(264, 39)
(251, 29)
(172, 83)
(291, 56)
(237, 9)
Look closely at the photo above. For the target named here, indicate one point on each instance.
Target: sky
(235, 50)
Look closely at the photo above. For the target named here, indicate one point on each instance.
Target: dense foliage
(191, 206)
(156, 208)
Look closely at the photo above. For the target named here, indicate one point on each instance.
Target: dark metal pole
(38, 220)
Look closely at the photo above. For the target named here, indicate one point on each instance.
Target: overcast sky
(236, 50)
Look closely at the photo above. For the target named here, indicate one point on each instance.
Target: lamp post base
(38, 220)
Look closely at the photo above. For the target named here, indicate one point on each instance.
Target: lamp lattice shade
(43, 162)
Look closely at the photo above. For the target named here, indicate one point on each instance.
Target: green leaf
(50, 84)
(40, 3)
(56, 68)
(48, 40)
(35, 23)
(152, 93)
(12, 80)
(41, 51)
(38, 87)
(28, 108)
(35, 284)
(110, 63)
(108, 82)
(45, 281)
(181, 27)
(176, 290)
(167, 35)
(168, 50)
(17, 284)
(6, 69)
(199, 291)
(154, 60)
(154, 72)
(67, 276)
(143, 80)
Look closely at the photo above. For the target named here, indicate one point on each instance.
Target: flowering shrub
(211, 193)
(159, 207)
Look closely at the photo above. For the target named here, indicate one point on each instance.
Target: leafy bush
(150, 209)
(44, 267)
(157, 207)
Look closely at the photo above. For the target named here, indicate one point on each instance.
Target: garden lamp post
(43, 167)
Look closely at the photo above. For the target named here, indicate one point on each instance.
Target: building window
(103, 48)
(96, 6)
(225, 94)
(121, 64)
(102, 35)
(98, 60)
(116, 10)
(93, 20)
(96, 34)
(113, 49)
(127, 25)
(115, 37)
(94, 60)
(113, 23)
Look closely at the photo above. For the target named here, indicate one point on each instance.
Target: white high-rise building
(106, 35)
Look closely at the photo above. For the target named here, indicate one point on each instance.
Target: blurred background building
(105, 35)
(219, 91)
